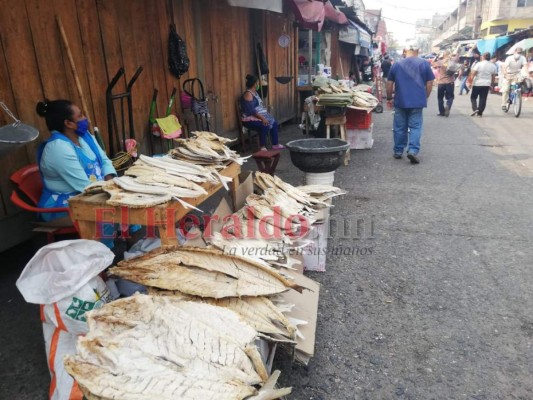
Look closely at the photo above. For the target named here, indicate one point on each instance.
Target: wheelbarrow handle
(134, 78)
(115, 79)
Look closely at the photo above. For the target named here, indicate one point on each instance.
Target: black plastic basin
(317, 155)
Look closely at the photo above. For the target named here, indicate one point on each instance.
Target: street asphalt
(436, 301)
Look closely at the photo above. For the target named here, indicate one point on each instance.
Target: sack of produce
(63, 278)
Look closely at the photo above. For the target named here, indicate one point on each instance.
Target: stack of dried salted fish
(205, 148)
(265, 181)
(152, 181)
(155, 347)
(216, 277)
(184, 169)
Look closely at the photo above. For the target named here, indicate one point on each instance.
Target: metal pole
(310, 38)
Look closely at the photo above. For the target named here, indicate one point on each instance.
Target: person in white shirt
(512, 67)
(483, 74)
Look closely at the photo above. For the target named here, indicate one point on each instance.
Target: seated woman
(70, 159)
(256, 117)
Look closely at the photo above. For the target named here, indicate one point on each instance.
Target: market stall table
(88, 209)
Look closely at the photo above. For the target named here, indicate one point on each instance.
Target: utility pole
(458, 15)
(474, 29)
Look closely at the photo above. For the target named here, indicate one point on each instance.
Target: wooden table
(88, 209)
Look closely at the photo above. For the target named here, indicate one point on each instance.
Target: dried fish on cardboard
(203, 272)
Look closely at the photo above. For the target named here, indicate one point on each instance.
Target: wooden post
(73, 67)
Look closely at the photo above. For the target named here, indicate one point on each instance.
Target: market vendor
(71, 159)
(256, 117)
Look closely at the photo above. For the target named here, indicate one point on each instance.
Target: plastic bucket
(321, 178)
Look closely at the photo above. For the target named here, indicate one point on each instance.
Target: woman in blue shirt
(256, 117)
(71, 158)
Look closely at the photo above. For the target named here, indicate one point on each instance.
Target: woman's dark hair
(55, 113)
(251, 81)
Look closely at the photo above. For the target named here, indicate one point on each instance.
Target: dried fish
(153, 347)
(203, 272)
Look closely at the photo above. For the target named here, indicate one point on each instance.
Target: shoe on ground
(446, 111)
(440, 115)
(476, 112)
(278, 147)
(397, 156)
(479, 115)
(504, 108)
(413, 158)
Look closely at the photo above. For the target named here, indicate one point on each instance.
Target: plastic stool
(339, 121)
(267, 160)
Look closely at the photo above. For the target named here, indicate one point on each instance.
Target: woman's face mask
(83, 126)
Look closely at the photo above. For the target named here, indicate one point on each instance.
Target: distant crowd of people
(412, 78)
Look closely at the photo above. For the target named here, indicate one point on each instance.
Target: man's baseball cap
(412, 47)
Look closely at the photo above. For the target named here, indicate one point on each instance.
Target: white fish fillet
(122, 198)
(203, 272)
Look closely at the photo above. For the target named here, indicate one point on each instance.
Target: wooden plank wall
(281, 62)
(105, 35)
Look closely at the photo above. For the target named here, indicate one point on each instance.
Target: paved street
(436, 302)
(442, 308)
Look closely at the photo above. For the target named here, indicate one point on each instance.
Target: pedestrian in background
(411, 78)
(445, 83)
(385, 68)
(483, 74)
(464, 72)
(512, 67)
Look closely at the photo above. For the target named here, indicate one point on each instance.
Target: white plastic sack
(63, 278)
(61, 269)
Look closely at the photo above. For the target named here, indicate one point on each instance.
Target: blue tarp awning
(491, 45)
(363, 38)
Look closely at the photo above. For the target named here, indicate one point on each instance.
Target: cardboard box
(314, 254)
(323, 214)
(360, 139)
(306, 309)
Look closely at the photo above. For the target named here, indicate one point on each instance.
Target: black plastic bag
(178, 61)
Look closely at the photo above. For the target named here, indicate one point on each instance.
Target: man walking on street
(511, 70)
(412, 81)
(464, 72)
(447, 69)
(483, 74)
(385, 68)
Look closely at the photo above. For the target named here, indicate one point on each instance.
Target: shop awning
(525, 44)
(268, 5)
(364, 36)
(310, 14)
(491, 45)
(335, 15)
(349, 34)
